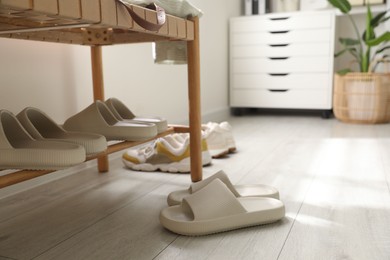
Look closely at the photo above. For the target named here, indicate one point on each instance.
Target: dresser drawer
(281, 50)
(279, 65)
(280, 81)
(282, 60)
(283, 37)
(292, 98)
(279, 22)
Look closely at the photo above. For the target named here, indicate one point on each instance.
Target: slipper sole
(174, 219)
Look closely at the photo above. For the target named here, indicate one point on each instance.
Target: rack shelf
(96, 23)
(24, 175)
(65, 24)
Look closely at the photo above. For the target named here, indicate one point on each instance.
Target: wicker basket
(362, 98)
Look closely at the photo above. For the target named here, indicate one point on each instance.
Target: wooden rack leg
(98, 92)
(193, 59)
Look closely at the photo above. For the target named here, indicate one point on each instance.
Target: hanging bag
(161, 16)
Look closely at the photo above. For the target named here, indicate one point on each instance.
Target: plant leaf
(337, 54)
(369, 33)
(378, 19)
(349, 41)
(365, 64)
(353, 51)
(376, 41)
(344, 71)
(383, 60)
(382, 49)
(343, 5)
(384, 19)
(365, 35)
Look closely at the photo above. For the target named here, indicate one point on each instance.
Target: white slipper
(216, 209)
(20, 151)
(254, 190)
(123, 113)
(97, 118)
(41, 127)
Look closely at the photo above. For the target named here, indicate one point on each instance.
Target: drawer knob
(278, 45)
(279, 18)
(278, 58)
(278, 74)
(276, 32)
(278, 90)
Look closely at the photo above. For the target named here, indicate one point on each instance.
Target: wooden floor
(333, 178)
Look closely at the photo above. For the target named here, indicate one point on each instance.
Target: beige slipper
(97, 118)
(40, 126)
(123, 113)
(20, 151)
(216, 209)
(253, 190)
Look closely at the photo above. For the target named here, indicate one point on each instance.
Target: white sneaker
(229, 136)
(165, 154)
(219, 138)
(216, 140)
(182, 137)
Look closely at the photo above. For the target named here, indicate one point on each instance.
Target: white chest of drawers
(282, 60)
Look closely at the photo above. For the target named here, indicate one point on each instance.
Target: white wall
(57, 77)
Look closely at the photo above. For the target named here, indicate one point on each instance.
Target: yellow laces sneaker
(165, 154)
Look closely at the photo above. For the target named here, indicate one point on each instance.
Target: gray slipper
(97, 118)
(123, 113)
(20, 151)
(40, 126)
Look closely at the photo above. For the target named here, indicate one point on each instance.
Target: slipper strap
(219, 175)
(213, 201)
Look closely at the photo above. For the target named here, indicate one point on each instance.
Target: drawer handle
(278, 45)
(278, 58)
(278, 74)
(277, 32)
(279, 18)
(278, 90)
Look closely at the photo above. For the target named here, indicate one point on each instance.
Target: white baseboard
(217, 115)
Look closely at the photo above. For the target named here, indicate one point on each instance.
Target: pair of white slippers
(216, 205)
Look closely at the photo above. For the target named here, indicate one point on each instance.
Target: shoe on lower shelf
(122, 112)
(97, 118)
(20, 151)
(219, 138)
(216, 143)
(227, 128)
(40, 126)
(164, 154)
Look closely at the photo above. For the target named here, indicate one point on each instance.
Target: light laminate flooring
(333, 178)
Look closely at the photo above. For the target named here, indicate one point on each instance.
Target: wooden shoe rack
(96, 23)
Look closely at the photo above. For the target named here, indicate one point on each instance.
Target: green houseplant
(361, 47)
(363, 96)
